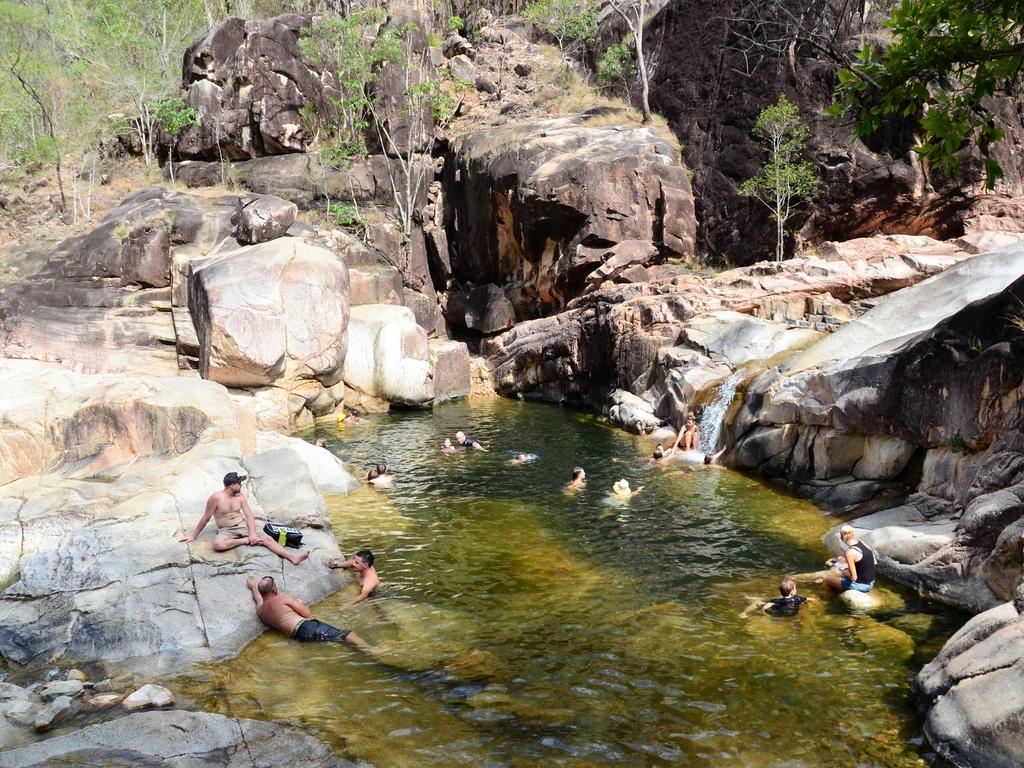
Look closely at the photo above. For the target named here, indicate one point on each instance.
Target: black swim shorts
(313, 631)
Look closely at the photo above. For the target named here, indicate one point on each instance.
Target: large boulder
(272, 311)
(264, 218)
(973, 692)
(97, 301)
(536, 204)
(90, 519)
(390, 358)
(248, 81)
(156, 738)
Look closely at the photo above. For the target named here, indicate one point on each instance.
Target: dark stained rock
(248, 80)
(537, 204)
(409, 133)
(264, 218)
(875, 185)
(487, 310)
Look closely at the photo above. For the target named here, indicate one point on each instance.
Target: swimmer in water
(379, 475)
(711, 459)
(469, 442)
(366, 574)
(579, 479)
(621, 490)
(447, 447)
(787, 605)
(661, 455)
(522, 458)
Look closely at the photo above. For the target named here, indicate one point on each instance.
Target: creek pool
(523, 626)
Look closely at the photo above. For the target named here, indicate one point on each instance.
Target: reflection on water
(520, 625)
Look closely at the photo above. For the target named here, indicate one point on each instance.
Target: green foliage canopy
(948, 58)
(571, 22)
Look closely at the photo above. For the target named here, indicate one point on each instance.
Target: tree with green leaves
(786, 180)
(172, 116)
(616, 69)
(948, 57)
(572, 23)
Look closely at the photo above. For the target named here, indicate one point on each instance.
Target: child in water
(787, 605)
(447, 447)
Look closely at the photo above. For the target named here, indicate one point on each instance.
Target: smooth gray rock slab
(177, 739)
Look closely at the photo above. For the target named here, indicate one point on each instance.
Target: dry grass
(565, 92)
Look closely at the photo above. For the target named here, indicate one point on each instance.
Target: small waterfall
(713, 418)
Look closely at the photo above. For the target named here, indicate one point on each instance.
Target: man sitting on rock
(235, 524)
(291, 616)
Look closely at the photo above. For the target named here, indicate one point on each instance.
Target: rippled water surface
(520, 625)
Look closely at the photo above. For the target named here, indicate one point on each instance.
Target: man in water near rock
(787, 605)
(235, 524)
(860, 560)
(469, 442)
(379, 475)
(290, 616)
(366, 574)
(711, 459)
(579, 479)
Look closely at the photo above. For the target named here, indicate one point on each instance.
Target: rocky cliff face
(718, 64)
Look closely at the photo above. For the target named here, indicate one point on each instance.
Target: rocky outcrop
(973, 695)
(671, 337)
(725, 57)
(103, 474)
(915, 406)
(390, 358)
(273, 311)
(537, 207)
(155, 738)
(248, 81)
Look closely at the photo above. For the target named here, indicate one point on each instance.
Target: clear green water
(524, 626)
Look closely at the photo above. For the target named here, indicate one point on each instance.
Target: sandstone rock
(630, 412)
(76, 674)
(272, 311)
(530, 193)
(103, 701)
(462, 68)
(115, 477)
(62, 688)
(455, 45)
(148, 695)
(390, 358)
(265, 218)
(54, 712)
(21, 712)
(488, 311)
(739, 339)
(971, 691)
(247, 80)
(156, 738)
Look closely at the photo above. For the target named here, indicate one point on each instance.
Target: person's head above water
(382, 469)
(363, 559)
(578, 474)
(659, 452)
(460, 436)
(447, 442)
(522, 457)
(707, 458)
(787, 587)
(267, 586)
(621, 488)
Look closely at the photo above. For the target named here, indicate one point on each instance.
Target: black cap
(233, 477)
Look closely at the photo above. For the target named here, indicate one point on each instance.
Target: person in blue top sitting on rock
(860, 561)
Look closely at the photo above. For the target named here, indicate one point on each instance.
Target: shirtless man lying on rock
(290, 616)
(235, 525)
